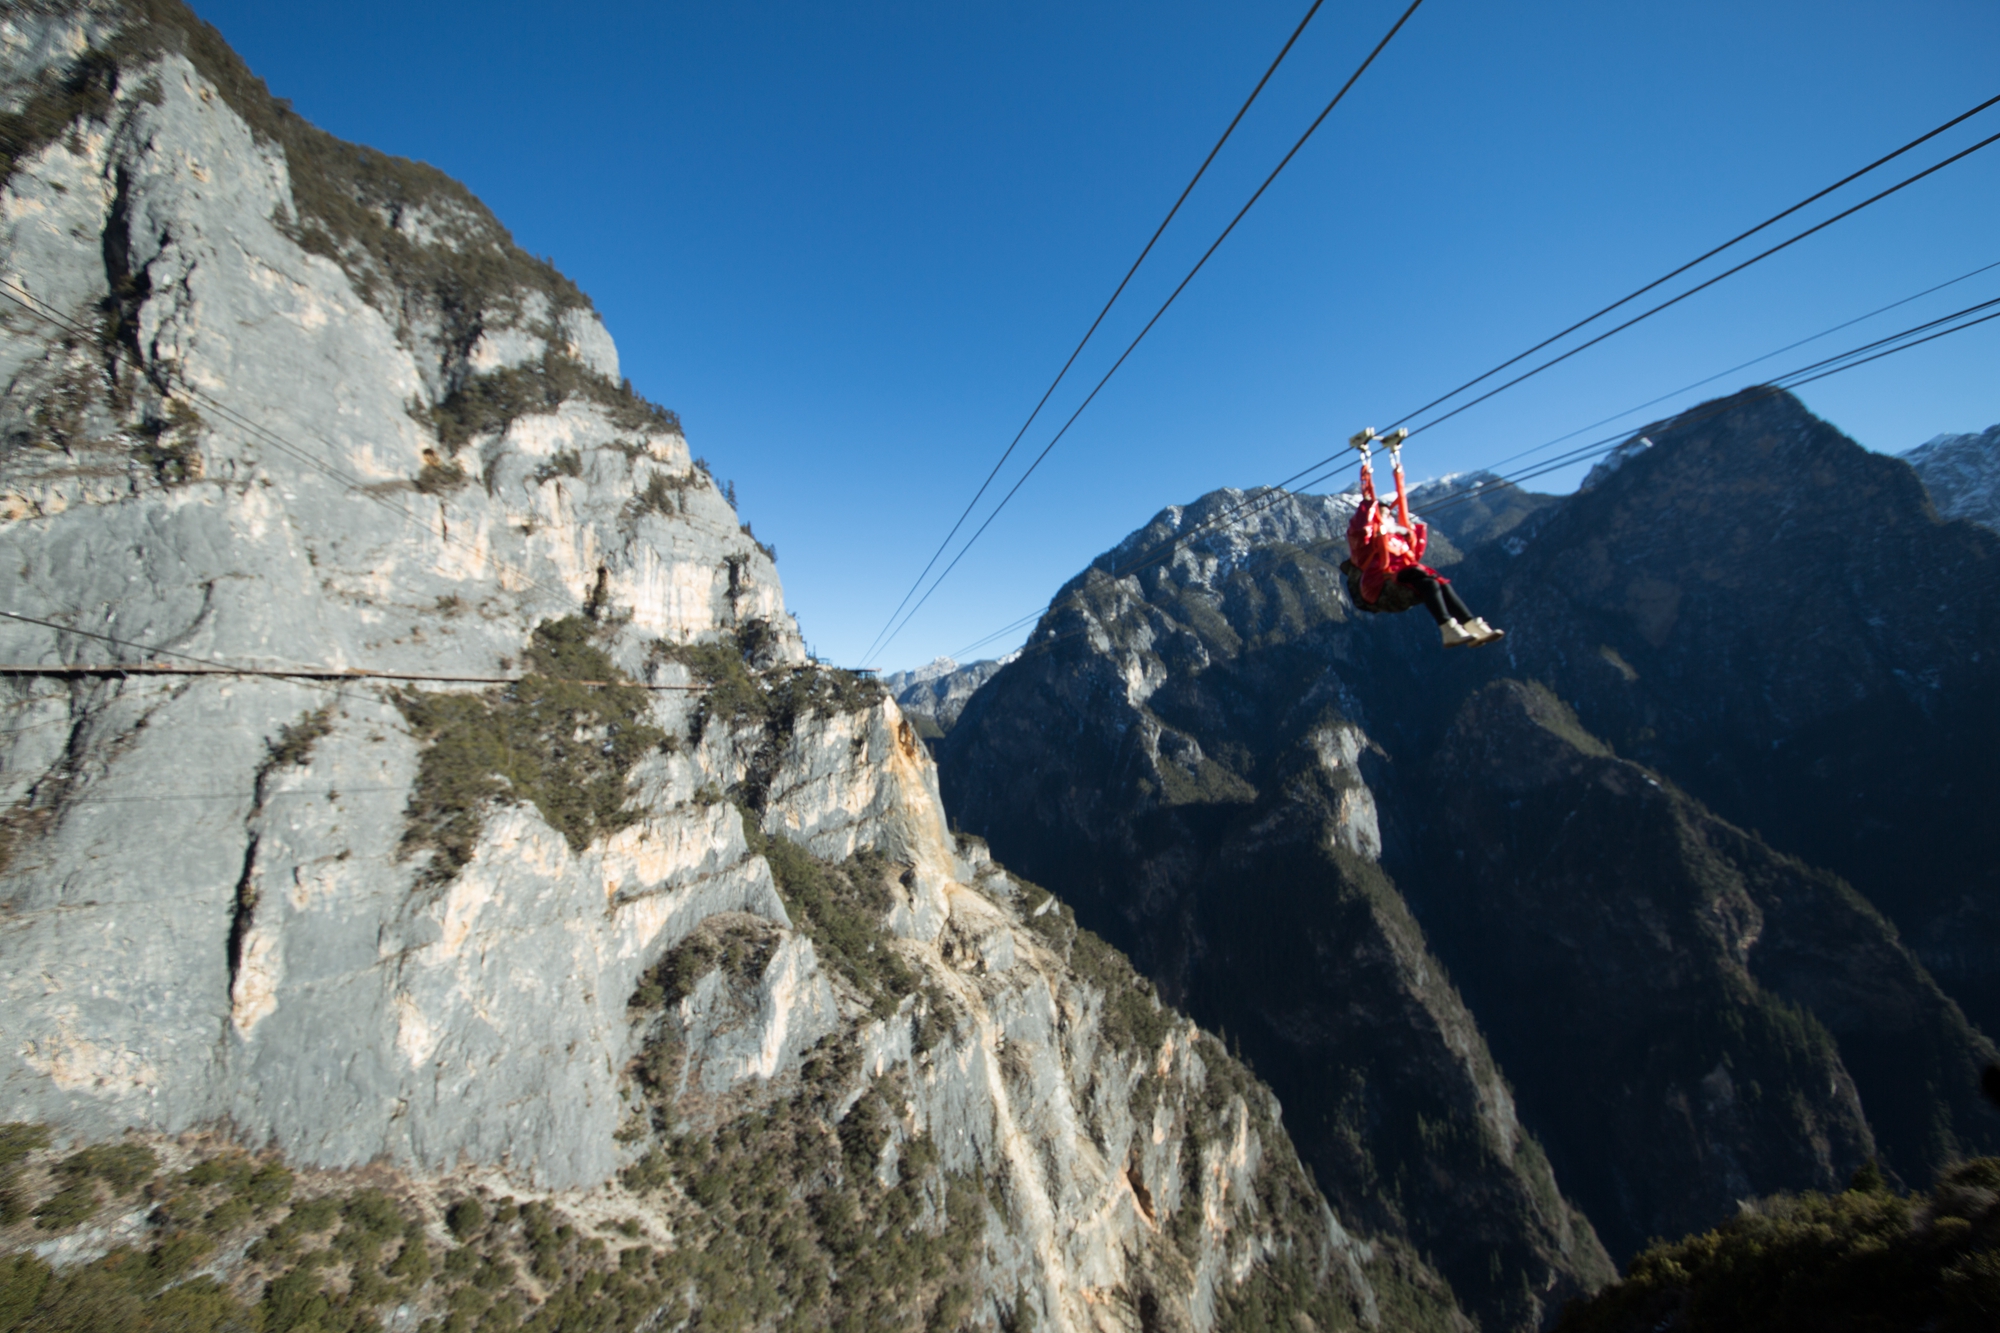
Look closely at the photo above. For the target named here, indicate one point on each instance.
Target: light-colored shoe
(1456, 635)
(1483, 632)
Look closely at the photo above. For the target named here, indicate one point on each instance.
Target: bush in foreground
(1867, 1259)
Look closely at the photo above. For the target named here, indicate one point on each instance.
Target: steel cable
(1130, 348)
(1078, 349)
(1825, 367)
(1629, 297)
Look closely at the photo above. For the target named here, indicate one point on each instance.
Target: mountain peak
(1962, 474)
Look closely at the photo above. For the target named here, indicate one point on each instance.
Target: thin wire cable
(331, 687)
(1310, 129)
(1078, 349)
(1792, 379)
(1780, 384)
(1745, 365)
(1638, 318)
(34, 305)
(1703, 286)
(1782, 381)
(1668, 277)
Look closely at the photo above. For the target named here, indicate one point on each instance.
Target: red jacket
(1382, 544)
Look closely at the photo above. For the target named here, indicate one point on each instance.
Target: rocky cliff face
(1751, 607)
(409, 761)
(933, 696)
(1775, 617)
(1683, 1011)
(1962, 474)
(1213, 809)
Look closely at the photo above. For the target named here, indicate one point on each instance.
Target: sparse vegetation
(1864, 1259)
(786, 1223)
(17, 1140)
(778, 698)
(565, 463)
(440, 476)
(295, 742)
(122, 1166)
(487, 404)
(664, 493)
(87, 90)
(466, 1219)
(740, 945)
(548, 739)
(770, 552)
(171, 444)
(840, 908)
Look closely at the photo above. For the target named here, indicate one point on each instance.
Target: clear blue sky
(850, 243)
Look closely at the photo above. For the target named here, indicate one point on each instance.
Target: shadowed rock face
(1779, 620)
(1690, 1017)
(300, 406)
(933, 696)
(1962, 474)
(1181, 751)
(1214, 751)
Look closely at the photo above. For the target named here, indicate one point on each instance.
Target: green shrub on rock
(553, 739)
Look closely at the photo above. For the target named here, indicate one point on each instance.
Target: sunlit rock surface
(274, 405)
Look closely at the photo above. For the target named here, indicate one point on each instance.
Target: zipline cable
(1623, 300)
(1745, 365)
(1773, 250)
(1130, 348)
(1712, 281)
(1703, 286)
(1265, 497)
(1668, 277)
(1077, 351)
(1790, 380)
(328, 686)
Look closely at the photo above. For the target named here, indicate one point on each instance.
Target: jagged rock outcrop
(1216, 760)
(1683, 1011)
(1211, 807)
(1962, 474)
(501, 912)
(933, 696)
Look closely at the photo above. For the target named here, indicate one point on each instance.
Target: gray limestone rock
(265, 497)
(938, 691)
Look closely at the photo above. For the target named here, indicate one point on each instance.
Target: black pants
(1439, 598)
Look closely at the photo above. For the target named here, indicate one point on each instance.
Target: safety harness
(1380, 545)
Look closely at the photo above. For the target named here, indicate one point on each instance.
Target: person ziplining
(1385, 570)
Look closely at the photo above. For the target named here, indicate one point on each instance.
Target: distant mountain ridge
(1767, 671)
(934, 694)
(1962, 474)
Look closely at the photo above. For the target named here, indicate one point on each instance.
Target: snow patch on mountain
(1962, 473)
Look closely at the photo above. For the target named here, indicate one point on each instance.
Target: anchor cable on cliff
(201, 666)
